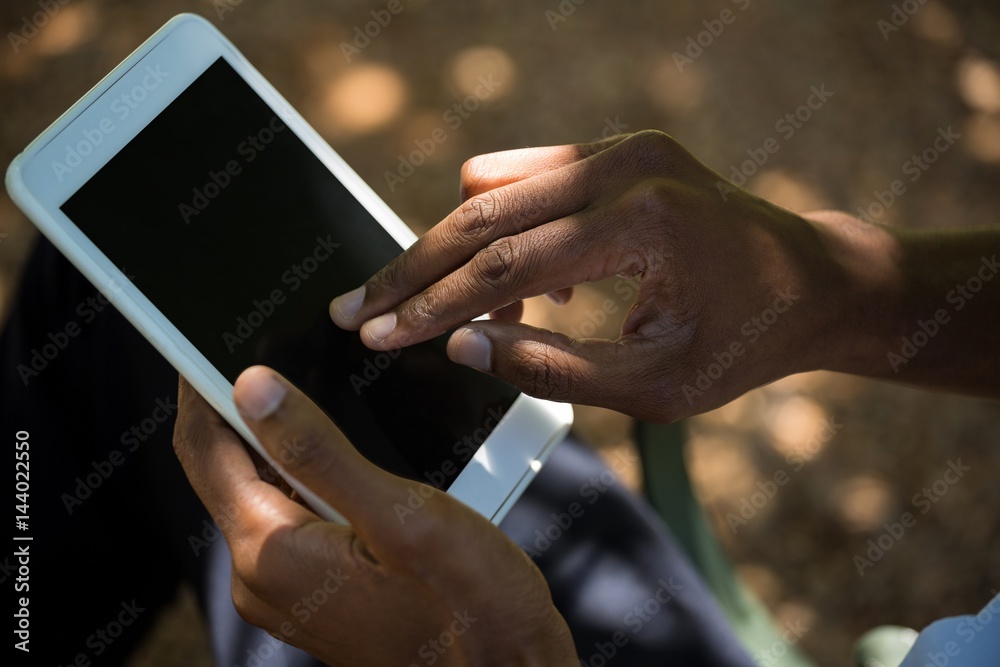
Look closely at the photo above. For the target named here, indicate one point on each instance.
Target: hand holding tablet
(444, 585)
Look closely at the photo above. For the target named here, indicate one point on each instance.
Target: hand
(735, 292)
(441, 581)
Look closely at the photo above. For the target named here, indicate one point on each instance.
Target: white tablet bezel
(144, 84)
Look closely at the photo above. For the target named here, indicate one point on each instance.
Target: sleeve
(961, 641)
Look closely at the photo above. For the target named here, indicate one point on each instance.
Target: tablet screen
(240, 236)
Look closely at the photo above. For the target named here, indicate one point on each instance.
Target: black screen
(238, 233)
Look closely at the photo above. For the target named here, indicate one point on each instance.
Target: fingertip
(335, 315)
(344, 308)
(560, 297)
(258, 393)
(470, 347)
(376, 331)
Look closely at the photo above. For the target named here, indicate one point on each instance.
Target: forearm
(917, 307)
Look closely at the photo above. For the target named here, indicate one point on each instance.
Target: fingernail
(347, 305)
(381, 327)
(471, 348)
(260, 397)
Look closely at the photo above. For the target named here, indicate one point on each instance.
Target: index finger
(516, 190)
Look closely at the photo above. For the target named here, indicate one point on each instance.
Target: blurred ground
(864, 450)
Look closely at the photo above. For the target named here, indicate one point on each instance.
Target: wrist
(860, 284)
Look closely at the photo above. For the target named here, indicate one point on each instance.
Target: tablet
(221, 225)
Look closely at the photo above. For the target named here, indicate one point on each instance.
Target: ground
(855, 456)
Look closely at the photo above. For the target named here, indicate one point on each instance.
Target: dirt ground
(857, 454)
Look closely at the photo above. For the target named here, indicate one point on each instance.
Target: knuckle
(651, 149)
(423, 533)
(423, 309)
(540, 373)
(479, 216)
(496, 264)
(656, 142)
(382, 282)
(648, 200)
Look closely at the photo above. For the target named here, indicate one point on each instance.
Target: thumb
(305, 443)
(553, 366)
